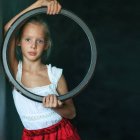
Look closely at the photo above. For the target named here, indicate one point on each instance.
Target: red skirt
(63, 130)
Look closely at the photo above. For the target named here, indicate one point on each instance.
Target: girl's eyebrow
(28, 36)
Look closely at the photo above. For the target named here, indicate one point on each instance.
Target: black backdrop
(2, 87)
(108, 109)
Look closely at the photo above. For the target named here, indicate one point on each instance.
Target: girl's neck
(32, 66)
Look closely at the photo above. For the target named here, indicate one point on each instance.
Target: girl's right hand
(51, 101)
(53, 6)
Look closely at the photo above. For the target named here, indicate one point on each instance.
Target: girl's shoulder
(54, 69)
(54, 73)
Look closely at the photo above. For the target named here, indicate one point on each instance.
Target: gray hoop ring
(89, 35)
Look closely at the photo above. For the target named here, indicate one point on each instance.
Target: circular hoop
(73, 17)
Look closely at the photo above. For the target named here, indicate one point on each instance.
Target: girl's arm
(66, 109)
(53, 7)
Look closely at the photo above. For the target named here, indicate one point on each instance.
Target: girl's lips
(32, 53)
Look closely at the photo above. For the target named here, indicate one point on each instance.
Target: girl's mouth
(32, 53)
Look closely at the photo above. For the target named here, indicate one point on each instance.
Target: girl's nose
(34, 44)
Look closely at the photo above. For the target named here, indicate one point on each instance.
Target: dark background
(108, 109)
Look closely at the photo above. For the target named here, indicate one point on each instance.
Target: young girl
(48, 120)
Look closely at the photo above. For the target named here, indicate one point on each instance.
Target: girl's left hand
(51, 101)
(53, 6)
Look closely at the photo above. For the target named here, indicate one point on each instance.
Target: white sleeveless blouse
(33, 114)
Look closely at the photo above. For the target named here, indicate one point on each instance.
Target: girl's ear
(18, 42)
(48, 45)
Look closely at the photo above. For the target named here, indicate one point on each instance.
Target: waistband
(47, 130)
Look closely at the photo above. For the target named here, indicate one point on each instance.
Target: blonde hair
(38, 19)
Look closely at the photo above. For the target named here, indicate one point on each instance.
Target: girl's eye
(27, 39)
(41, 42)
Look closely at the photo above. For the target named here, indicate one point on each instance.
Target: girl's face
(33, 41)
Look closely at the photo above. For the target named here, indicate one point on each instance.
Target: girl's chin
(33, 59)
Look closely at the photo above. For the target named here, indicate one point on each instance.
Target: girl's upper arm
(63, 89)
(62, 86)
(13, 63)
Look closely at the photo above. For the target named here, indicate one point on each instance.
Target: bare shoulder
(62, 85)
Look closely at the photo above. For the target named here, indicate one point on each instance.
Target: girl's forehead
(35, 25)
(33, 29)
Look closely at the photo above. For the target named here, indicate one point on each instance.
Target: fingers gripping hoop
(93, 54)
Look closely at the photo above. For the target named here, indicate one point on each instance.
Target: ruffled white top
(33, 114)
